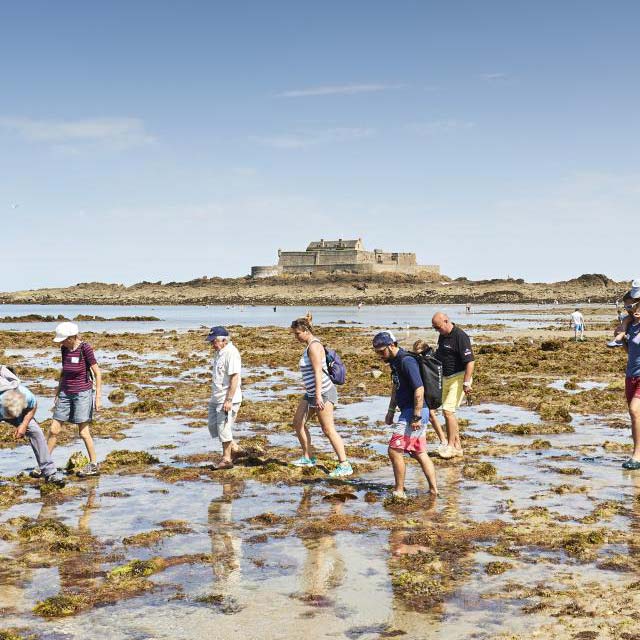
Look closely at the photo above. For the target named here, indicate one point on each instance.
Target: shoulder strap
(324, 368)
(86, 362)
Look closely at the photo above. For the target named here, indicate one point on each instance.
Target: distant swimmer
(274, 309)
(468, 307)
(577, 322)
(359, 306)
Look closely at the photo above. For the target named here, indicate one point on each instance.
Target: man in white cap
(226, 395)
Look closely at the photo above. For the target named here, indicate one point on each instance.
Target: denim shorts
(76, 408)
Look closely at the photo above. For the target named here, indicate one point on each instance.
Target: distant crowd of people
(78, 395)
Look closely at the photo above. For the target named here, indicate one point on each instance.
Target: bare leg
(52, 437)
(85, 434)
(399, 468)
(437, 427)
(429, 471)
(302, 431)
(452, 429)
(227, 448)
(634, 412)
(325, 417)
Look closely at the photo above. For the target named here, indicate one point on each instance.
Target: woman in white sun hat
(75, 397)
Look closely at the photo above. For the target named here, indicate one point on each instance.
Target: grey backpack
(8, 379)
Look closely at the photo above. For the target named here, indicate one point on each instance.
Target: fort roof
(335, 244)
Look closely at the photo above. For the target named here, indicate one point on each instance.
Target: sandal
(631, 464)
(223, 464)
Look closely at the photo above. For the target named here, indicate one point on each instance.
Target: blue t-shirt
(406, 377)
(633, 342)
(31, 403)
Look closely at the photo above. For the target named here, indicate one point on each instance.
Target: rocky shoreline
(328, 290)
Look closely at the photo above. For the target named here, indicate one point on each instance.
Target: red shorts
(408, 444)
(632, 388)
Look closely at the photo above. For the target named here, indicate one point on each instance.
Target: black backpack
(431, 374)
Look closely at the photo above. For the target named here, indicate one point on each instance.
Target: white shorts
(220, 423)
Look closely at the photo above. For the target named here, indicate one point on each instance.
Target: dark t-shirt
(75, 368)
(454, 351)
(406, 377)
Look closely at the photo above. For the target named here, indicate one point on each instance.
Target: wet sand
(534, 535)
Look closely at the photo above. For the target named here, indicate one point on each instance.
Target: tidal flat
(534, 533)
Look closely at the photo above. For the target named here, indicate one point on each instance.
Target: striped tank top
(308, 376)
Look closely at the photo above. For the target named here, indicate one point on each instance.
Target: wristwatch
(416, 419)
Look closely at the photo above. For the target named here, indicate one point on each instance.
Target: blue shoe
(343, 469)
(303, 461)
(631, 464)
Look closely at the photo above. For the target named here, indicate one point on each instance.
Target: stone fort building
(343, 256)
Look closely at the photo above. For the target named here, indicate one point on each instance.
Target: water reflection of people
(323, 568)
(226, 544)
(78, 570)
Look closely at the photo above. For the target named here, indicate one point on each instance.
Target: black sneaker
(89, 470)
(56, 478)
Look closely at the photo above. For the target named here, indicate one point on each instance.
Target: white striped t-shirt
(308, 376)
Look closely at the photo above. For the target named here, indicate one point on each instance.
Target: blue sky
(156, 140)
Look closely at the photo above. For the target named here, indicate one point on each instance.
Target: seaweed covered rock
(116, 396)
(61, 605)
(480, 471)
(76, 461)
(554, 412)
(136, 569)
(150, 406)
(123, 459)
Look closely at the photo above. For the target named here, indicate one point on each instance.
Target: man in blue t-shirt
(18, 408)
(407, 394)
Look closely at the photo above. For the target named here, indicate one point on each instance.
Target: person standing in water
(226, 394)
(407, 394)
(577, 322)
(75, 399)
(632, 382)
(455, 353)
(18, 408)
(320, 397)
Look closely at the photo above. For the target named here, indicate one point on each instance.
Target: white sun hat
(635, 288)
(65, 330)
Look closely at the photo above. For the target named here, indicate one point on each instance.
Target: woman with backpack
(75, 398)
(320, 397)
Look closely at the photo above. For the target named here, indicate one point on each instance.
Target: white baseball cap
(635, 288)
(65, 330)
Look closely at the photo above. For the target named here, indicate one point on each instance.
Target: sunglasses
(630, 307)
(381, 350)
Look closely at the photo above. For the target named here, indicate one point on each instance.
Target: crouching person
(226, 395)
(407, 394)
(18, 408)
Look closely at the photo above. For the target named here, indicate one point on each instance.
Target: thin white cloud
(115, 132)
(493, 77)
(440, 126)
(304, 139)
(340, 89)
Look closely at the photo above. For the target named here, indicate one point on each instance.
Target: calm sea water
(192, 317)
